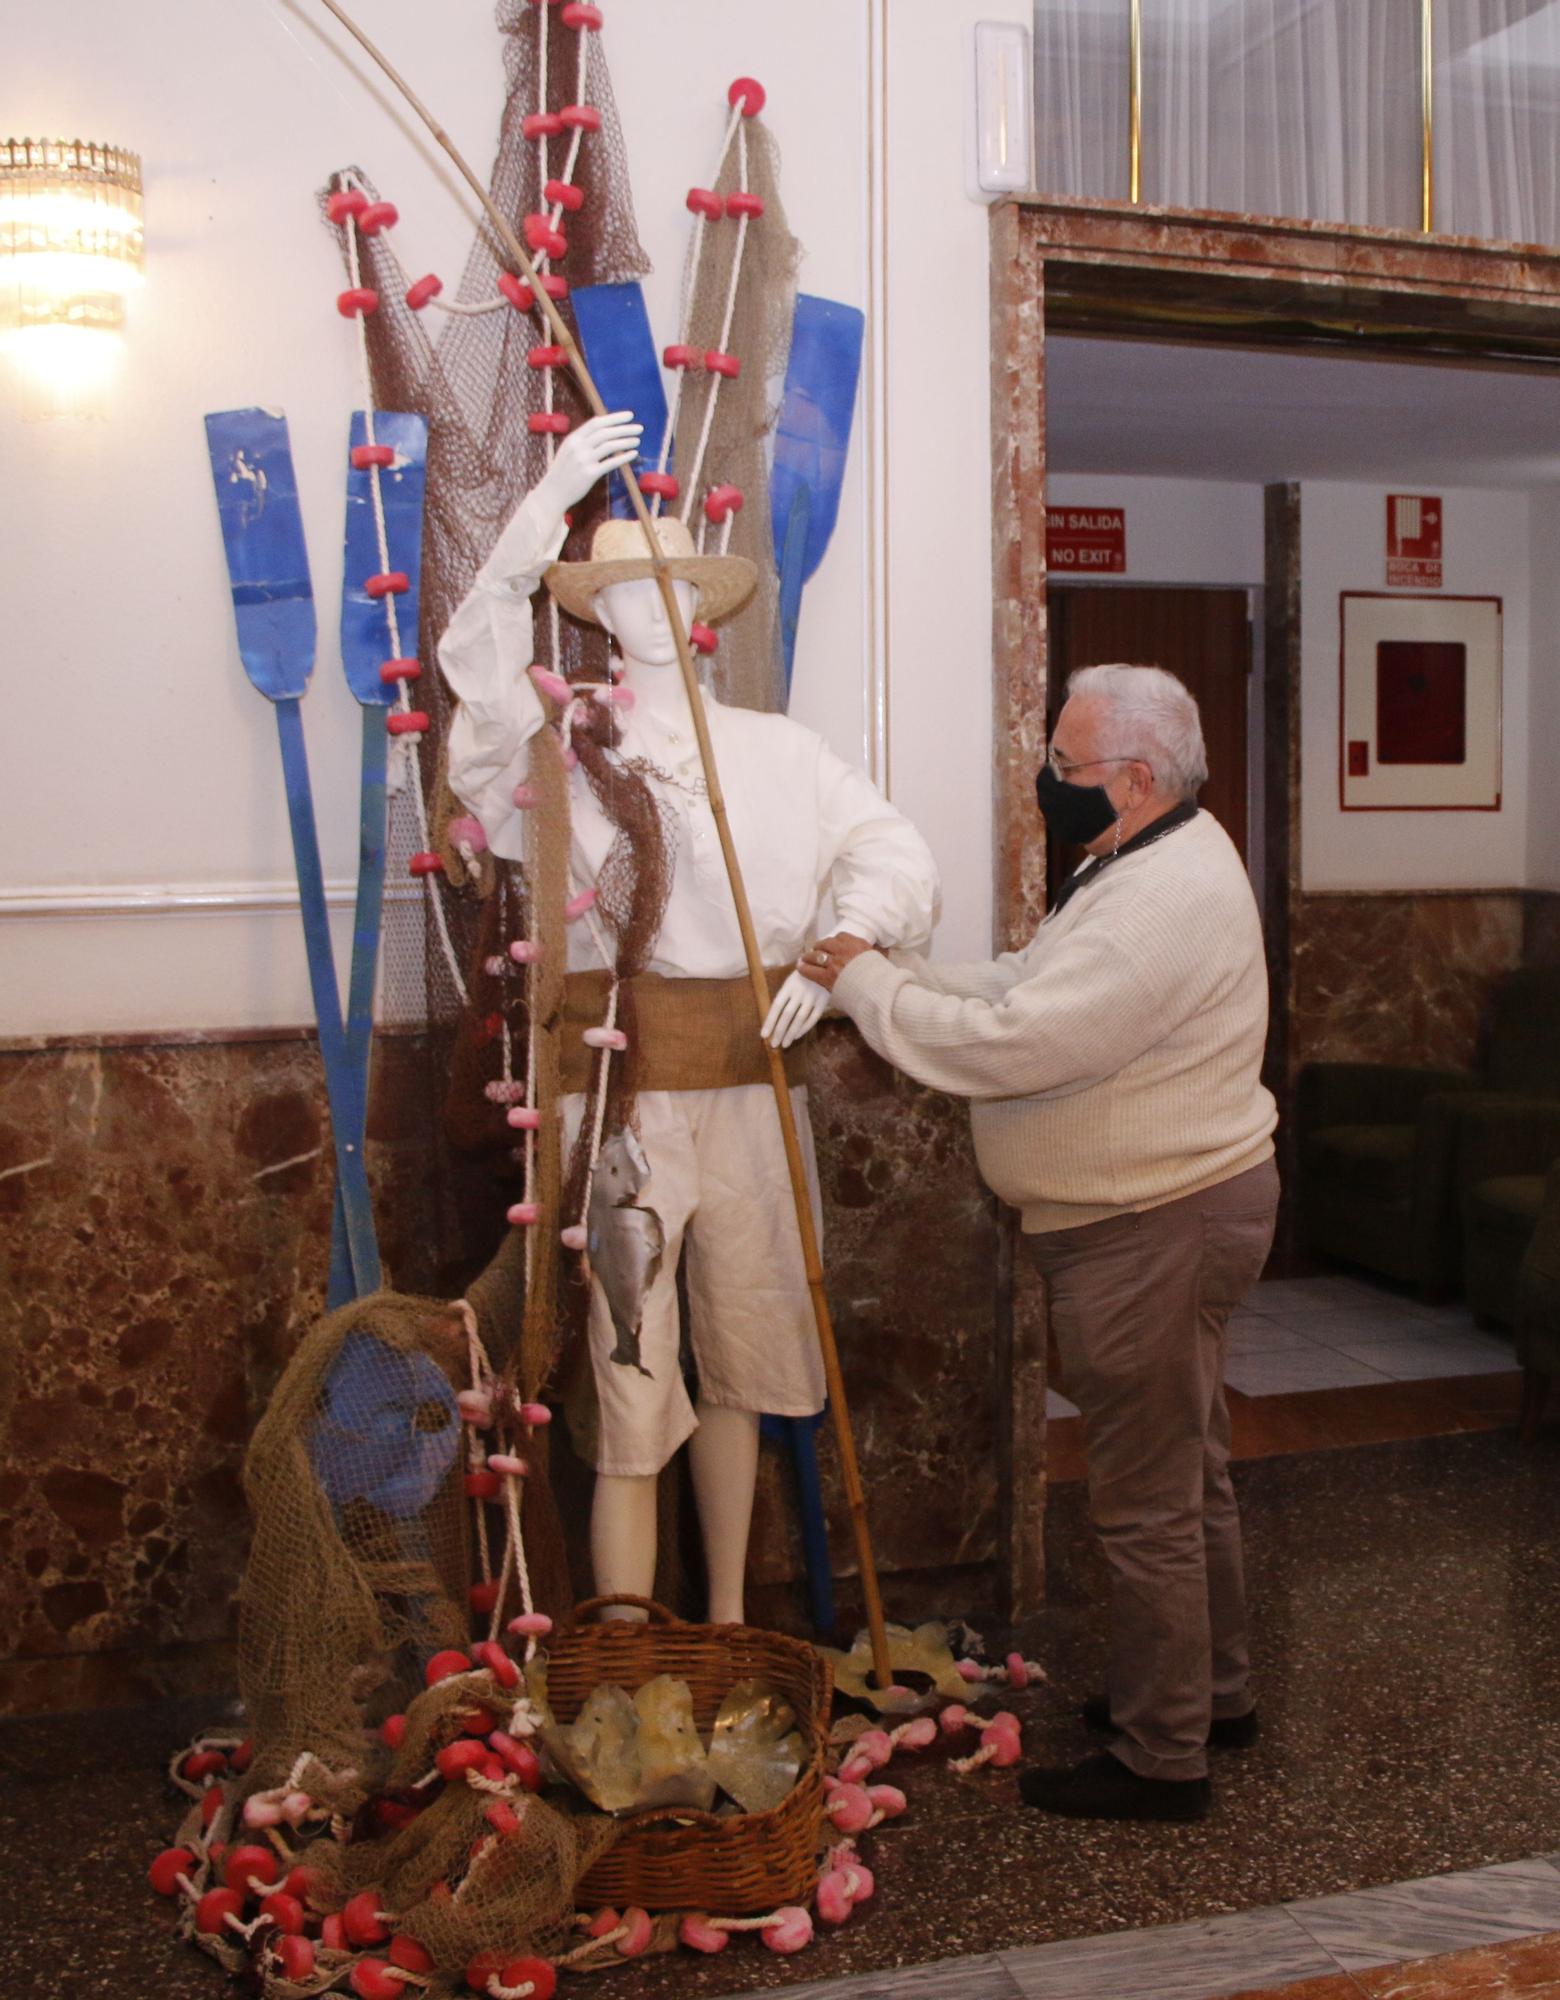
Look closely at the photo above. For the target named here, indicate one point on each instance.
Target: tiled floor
(1333, 1332)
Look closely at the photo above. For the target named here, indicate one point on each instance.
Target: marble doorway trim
(1101, 267)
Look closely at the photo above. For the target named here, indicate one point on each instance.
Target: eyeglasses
(1065, 766)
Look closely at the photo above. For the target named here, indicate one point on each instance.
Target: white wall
(1201, 531)
(140, 760)
(1342, 547)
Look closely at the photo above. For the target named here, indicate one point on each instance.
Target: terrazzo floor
(1406, 1601)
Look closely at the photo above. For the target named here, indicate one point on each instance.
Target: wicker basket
(675, 1857)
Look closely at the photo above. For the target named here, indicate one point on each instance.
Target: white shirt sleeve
(484, 654)
(879, 870)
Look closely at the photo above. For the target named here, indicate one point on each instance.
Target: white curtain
(1497, 119)
(1304, 108)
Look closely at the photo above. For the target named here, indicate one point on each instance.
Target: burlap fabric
(694, 1034)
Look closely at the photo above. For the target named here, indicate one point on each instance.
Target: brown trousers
(1138, 1305)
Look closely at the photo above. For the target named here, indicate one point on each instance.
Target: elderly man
(1113, 1067)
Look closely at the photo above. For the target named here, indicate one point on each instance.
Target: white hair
(1153, 718)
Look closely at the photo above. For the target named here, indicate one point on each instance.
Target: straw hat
(620, 553)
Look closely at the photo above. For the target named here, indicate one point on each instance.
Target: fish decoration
(626, 1242)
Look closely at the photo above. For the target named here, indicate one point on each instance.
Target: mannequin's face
(635, 615)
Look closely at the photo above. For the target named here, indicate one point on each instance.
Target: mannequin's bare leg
(723, 1456)
(622, 1536)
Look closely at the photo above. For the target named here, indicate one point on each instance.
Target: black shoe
(1103, 1788)
(1225, 1732)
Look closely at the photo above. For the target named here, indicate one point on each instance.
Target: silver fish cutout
(756, 1751)
(626, 1241)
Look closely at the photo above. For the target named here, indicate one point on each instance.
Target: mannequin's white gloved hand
(796, 1007)
(598, 447)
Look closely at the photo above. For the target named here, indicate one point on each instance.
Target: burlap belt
(691, 1034)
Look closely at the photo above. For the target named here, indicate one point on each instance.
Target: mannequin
(717, 1181)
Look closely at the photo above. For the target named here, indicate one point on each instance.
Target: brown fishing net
(749, 669)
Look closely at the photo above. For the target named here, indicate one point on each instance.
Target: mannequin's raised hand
(795, 1008)
(598, 447)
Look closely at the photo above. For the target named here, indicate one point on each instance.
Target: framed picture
(1419, 714)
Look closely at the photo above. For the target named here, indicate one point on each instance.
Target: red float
(701, 638)
(519, 294)
(345, 202)
(165, 1871)
(361, 1918)
(378, 215)
(442, 1665)
(399, 670)
(680, 356)
(388, 583)
(357, 299)
(408, 1954)
(542, 124)
(424, 289)
(365, 455)
(705, 202)
(372, 1979)
(483, 1485)
(545, 357)
(541, 423)
(244, 1866)
(721, 501)
(581, 117)
(297, 1957)
(214, 1909)
(750, 93)
(722, 364)
(425, 864)
(392, 1731)
(739, 204)
(285, 1911)
(554, 286)
(564, 194)
(483, 1596)
(580, 14)
(660, 483)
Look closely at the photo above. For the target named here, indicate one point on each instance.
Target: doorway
(1204, 637)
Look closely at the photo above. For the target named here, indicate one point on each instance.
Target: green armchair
(1379, 1143)
(1538, 1307)
(1505, 1152)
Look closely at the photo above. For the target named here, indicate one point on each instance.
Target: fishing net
(736, 419)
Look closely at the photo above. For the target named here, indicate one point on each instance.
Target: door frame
(1104, 267)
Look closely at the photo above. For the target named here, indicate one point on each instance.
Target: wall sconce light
(70, 233)
(70, 255)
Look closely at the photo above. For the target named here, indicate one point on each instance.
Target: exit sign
(1086, 540)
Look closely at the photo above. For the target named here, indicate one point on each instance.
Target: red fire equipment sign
(1086, 540)
(1413, 541)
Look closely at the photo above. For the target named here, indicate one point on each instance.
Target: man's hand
(598, 447)
(824, 961)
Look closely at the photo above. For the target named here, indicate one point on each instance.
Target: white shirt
(803, 821)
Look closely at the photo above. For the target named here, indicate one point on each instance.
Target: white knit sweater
(1114, 1061)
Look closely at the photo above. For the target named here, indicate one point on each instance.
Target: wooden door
(1204, 636)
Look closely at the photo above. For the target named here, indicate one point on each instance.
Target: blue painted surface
(267, 558)
(273, 608)
(624, 362)
(379, 1437)
(365, 624)
(800, 1434)
(813, 434)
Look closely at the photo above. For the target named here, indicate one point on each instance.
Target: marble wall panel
(164, 1230)
(910, 1251)
(1399, 977)
(165, 1221)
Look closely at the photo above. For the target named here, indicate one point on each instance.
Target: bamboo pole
(850, 1470)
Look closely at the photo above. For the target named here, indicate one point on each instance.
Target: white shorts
(719, 1182)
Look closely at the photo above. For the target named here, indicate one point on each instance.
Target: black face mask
(1074, 814)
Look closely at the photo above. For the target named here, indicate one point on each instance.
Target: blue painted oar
(614, 330)
(273, 606)
(811, 440)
